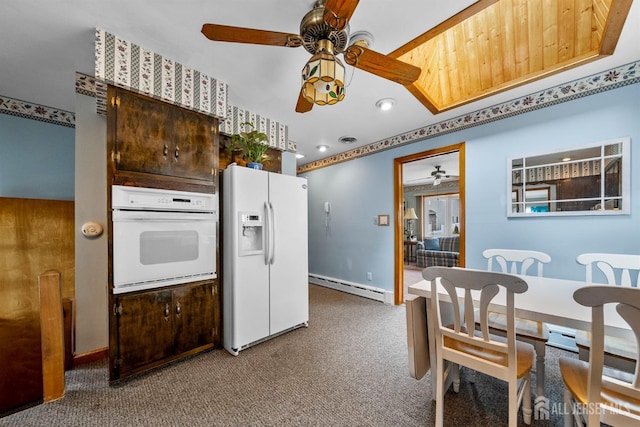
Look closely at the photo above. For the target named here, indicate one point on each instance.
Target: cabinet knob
(167, 311)
(177, 153)
(178, 308)
(165, 151)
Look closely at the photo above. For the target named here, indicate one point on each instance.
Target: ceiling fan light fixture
(323, 77)
(385, 104)
(437, 181)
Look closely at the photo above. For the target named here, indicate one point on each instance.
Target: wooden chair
(613, 266)
(617, 270)
(461, 344)
(515, 261)
(593, 393)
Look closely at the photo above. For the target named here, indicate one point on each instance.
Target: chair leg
(441, 380)
(540, 356)
(568, 409)
(456, 378)
(526, 399)
(513, 403)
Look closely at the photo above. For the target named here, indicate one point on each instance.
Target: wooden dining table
(547, 300)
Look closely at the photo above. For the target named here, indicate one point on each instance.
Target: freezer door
(246, 275)
(289, 271)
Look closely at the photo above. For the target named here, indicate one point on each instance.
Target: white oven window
(162, 247)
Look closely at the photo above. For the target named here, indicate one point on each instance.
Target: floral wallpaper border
(600, 82)
(277, 132)
(127, 65)
(596, 83)
(41, 113)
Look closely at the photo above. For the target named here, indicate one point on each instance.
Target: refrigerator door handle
(272, 230)
(267, 233)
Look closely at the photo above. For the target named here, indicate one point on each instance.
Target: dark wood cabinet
(156, 327)
(155, 144)
(154, 137)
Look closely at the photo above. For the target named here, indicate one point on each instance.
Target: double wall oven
(162, 237)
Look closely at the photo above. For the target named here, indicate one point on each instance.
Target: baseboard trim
(91, 356)
(371, 292)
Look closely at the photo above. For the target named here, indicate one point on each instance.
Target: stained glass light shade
(323, 78)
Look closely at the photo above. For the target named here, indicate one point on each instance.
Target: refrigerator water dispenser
(250, 241)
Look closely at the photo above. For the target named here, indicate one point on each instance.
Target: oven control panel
(139, 198)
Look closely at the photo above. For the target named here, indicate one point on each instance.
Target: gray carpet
(348, 368)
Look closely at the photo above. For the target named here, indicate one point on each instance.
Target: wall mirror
(589, 180)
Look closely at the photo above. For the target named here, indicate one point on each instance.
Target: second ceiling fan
(324, 32)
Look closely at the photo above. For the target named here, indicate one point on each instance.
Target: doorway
(418, 229)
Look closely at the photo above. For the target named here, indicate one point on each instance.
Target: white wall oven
(162, 237)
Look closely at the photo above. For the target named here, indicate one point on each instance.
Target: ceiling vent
(348, 139)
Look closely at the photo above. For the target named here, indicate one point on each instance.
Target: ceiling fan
(436, 176)
(324, 32)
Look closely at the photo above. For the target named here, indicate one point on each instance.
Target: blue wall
(359, 190)
(37, 159)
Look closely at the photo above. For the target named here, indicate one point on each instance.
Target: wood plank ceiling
(495, 45)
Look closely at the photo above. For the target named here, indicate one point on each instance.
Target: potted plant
(252, 144)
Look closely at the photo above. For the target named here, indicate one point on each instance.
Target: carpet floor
(348, 368)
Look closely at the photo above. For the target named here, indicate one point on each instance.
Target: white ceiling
(46, 42)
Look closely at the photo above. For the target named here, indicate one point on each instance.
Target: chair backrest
(516, 261)
(627, 302)
(456, 286)
(616, 268)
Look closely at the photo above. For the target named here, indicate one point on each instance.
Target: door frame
(398, 197)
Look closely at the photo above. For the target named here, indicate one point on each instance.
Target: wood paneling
(35, 236)
(493, 46)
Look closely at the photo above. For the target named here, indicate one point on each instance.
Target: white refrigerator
(265, 256)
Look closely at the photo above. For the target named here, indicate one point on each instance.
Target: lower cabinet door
(145, 330)
(194, 317)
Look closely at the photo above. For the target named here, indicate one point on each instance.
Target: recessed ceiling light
(385, 104)
(566, 159)
(299, 156)
(322, 148)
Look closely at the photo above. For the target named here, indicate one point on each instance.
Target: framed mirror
(589, 180)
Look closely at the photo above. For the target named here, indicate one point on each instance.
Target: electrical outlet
(369, 275)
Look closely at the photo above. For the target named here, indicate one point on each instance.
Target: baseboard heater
(562, 337)
(371, 292)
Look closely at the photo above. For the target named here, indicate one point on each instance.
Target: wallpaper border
(600, 82)
(33, 111)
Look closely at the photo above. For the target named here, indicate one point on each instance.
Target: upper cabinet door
(155, 137)
(193, 142)
(142, 134)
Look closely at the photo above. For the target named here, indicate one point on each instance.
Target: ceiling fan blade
(338, 12)
(426, 178)
(303, 105)
(381, 65)
(225, 33)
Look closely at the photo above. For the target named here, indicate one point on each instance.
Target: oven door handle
(122, 215)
